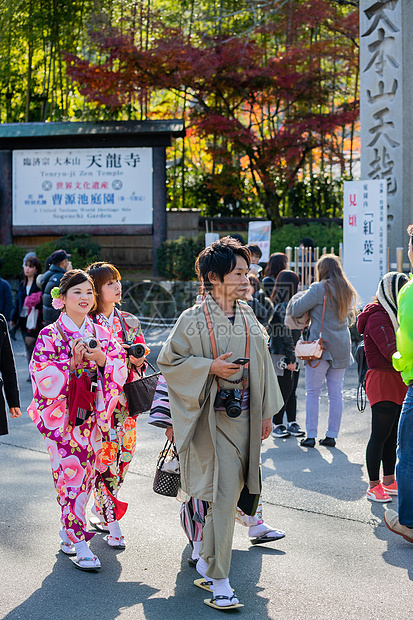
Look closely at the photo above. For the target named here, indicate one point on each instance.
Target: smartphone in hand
(241, 360)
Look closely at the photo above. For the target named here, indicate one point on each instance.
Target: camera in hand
(137, 350)
(231, 401)
(90, 342)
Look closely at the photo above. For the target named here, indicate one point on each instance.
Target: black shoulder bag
(139, 393)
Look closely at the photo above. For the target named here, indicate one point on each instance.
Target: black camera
(137, 350)
(90, 342)
(231, 400)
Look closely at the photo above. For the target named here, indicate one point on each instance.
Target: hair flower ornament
(57, 303)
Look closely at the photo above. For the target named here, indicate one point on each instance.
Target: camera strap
(66, 340)
(214, 345)
(122, 323)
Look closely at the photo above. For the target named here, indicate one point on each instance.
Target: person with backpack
(384, 386)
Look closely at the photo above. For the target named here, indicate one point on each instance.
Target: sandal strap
(222, 597)
(87, 559)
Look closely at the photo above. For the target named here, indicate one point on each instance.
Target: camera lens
(137, 350)
(233, 408)
(90, 342)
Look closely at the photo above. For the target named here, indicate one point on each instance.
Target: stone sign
(386, 107)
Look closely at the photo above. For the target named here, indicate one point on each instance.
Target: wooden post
(324, 250)
(296, 260)
(289, 254)
(399, 259)
(316, 254)
(304, 265)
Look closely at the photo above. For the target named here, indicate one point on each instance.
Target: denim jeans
(314, 381)
(404, 468)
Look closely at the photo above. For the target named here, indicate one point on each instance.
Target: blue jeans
(314, 381)
(404, 468)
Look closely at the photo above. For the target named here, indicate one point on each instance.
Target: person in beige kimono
(219, 441)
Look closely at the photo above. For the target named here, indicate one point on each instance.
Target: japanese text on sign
(82, 187)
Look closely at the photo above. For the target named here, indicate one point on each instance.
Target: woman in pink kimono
(119, 446)
(63, 350)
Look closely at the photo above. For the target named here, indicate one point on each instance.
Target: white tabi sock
(82, 550)
(257, 530)
(221, 587)
(202, 567)
(114, 529)
(195, 550)
(64, 537)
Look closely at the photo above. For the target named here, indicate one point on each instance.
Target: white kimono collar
(69, 324)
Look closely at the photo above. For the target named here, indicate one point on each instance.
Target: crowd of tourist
(230, 369)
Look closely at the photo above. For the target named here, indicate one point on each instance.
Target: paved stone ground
(337, 561)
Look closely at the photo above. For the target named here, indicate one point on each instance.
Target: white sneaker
(280, 431)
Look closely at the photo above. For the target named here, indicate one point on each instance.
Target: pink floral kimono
(74, 451)
(119, 447)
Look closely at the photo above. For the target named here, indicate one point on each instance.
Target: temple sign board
(107, 186)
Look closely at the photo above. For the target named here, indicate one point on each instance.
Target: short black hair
(307, 242)
(255, 249)
(220, 258)
(238, 237)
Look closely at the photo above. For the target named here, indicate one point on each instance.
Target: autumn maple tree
(264, 102)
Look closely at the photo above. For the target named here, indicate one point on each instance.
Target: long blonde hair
(330, 272)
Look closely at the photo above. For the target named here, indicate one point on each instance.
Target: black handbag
(165, 482)
(139, 393)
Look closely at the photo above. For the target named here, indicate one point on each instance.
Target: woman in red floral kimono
(119, 444)
(74, 438)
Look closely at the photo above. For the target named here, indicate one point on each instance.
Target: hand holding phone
(241, 360)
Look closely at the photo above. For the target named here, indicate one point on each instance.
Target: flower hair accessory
(57, 303)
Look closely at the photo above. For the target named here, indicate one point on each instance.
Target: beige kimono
(208, 440)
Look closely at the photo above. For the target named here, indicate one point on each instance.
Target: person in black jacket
(258, 301)
(59, 262)
(27, 312)
(8, 380)
(282, 345)
(278, 262)
(6, 297)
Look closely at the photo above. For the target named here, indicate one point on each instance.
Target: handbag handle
(125, 336)
(164, 453)
(153, 368)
